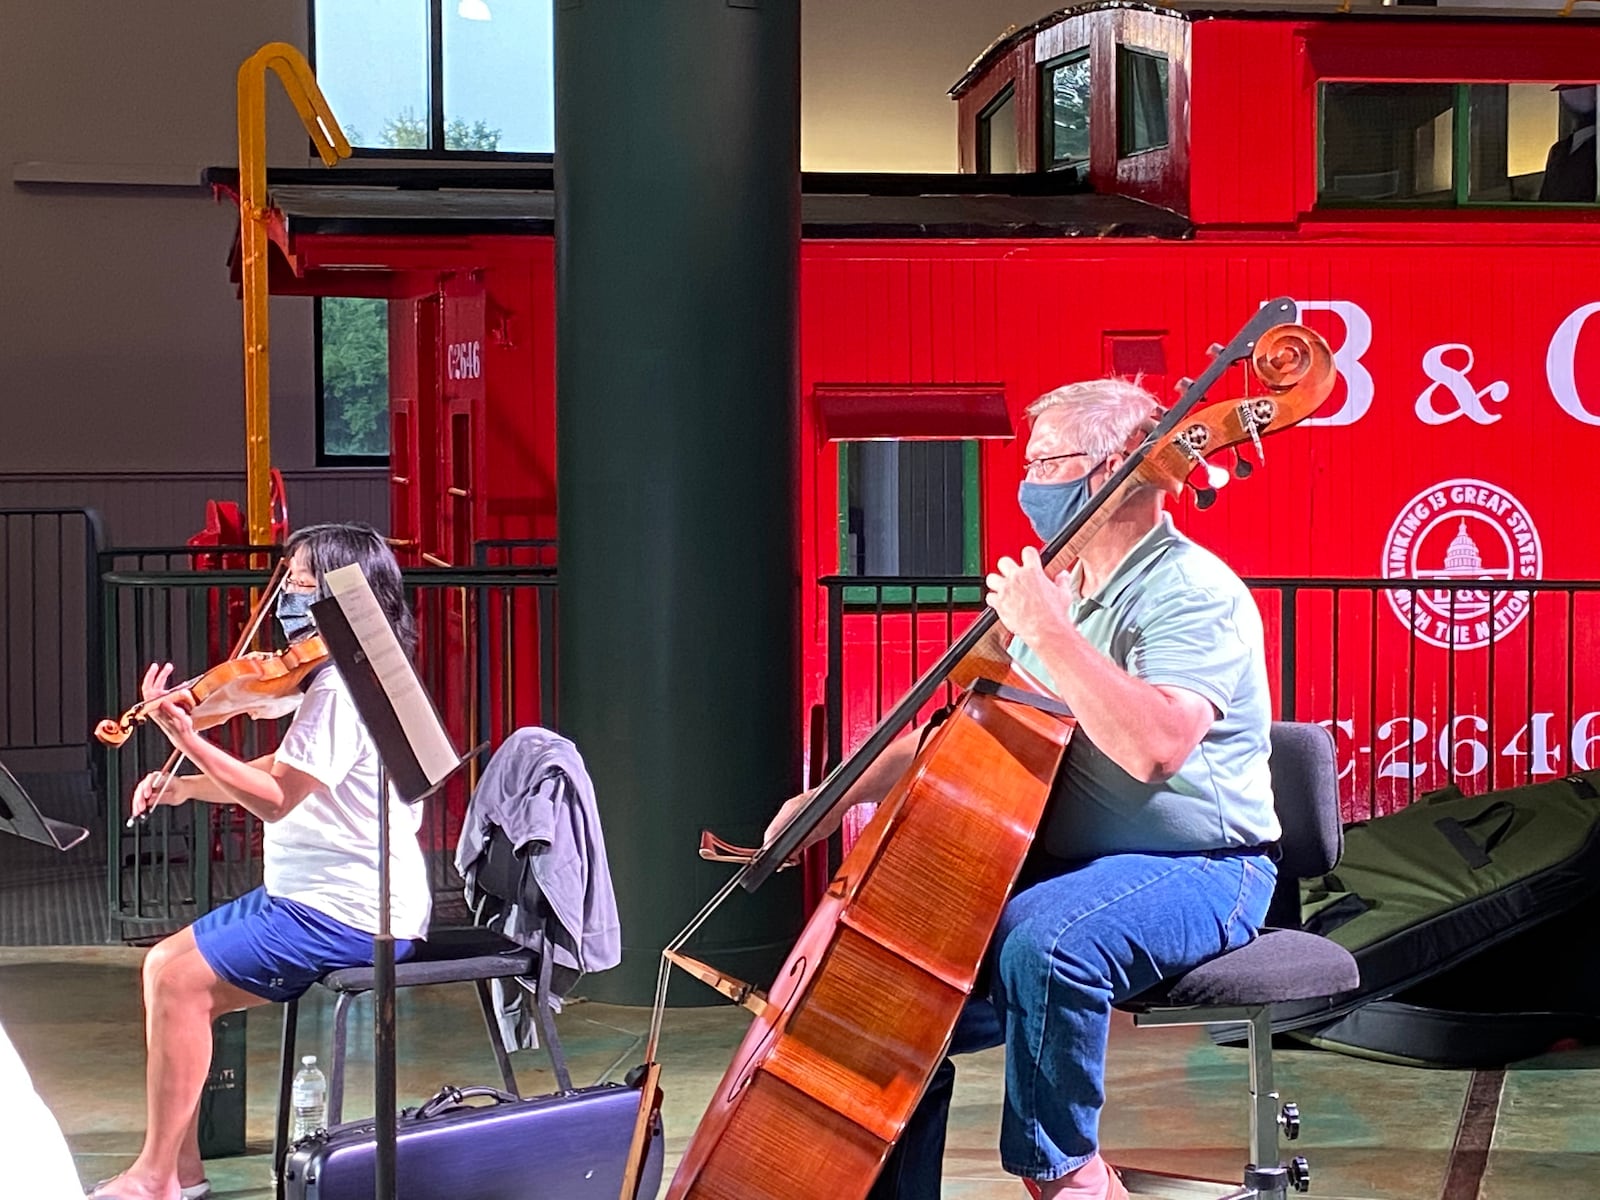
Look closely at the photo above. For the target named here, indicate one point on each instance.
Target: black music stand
(21, 817)
(416, 756)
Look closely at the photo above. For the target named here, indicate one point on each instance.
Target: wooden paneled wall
(150, 509)
(49, 692)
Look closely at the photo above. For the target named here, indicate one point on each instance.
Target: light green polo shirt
(1171, 613)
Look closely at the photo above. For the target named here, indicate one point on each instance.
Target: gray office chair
(1283, 964)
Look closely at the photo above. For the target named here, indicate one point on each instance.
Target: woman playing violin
(317, 795)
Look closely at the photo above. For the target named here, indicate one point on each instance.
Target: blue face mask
(1049, 506)
(294, 614)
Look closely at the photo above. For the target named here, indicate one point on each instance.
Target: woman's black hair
(330, 546)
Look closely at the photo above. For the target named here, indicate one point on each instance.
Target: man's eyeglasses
(1047, 465)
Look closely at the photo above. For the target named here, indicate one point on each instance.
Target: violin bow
(177, 758)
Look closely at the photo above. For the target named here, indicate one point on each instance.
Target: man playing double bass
(1154, 853)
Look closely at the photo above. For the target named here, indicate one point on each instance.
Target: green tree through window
(355, 377)
(408, 131)
(477, 76)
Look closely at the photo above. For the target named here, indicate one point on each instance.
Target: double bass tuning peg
(1213, 350)
(1204, 497)
(1242, 466)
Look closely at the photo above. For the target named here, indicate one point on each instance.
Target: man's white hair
(1108, 416)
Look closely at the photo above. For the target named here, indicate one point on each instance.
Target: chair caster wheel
(1300, 1174)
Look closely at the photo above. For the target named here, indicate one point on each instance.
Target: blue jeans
(1076, 938)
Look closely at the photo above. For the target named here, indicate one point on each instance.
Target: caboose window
(1141, 101)
(1387, 142)
(997, 134)
(907, 508)
(433, 77)
(1458, 144)
(1531, 142)
(352, 336)
(1066, 99)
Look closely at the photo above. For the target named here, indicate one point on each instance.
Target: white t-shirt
(325, 852)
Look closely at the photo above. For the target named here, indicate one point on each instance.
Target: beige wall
(119, 330)
(874, 77)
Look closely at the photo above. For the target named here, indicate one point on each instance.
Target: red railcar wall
(1468, 404)
(1252, 137)
(1447, 343)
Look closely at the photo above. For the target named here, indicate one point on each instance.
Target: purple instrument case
(567, 1146)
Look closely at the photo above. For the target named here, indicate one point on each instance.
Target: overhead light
(473, 10)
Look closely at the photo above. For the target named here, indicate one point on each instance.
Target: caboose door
(413, 426)
(461, 453)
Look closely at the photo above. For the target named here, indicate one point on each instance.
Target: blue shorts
(277, 948)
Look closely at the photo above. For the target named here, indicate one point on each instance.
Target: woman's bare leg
(182, 996)
(191, 1170)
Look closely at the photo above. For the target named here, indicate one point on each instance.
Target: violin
(260, 686)
(255, 685)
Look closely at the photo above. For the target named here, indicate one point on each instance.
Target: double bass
(846, 1039)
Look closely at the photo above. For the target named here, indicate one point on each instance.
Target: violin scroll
(114, 733)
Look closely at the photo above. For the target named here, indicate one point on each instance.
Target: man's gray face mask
(1050, 506)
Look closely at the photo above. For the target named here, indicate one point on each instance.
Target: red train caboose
(1421, 180)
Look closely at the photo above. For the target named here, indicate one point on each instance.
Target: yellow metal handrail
(331, 144)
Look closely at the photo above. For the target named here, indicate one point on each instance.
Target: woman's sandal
(198, 1191)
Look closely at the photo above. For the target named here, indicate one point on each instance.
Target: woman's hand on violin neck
(155, 789)
(173, 719)
(154, 684)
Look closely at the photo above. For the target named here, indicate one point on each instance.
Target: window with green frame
(909, 508)
(1065, 85)
(1448, 145)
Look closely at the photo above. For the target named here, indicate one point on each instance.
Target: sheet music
(429, 742)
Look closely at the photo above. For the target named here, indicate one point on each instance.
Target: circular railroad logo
(1456, 533)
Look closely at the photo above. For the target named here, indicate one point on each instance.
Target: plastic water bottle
(309, 1098)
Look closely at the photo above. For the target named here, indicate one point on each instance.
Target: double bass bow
(844, 1042)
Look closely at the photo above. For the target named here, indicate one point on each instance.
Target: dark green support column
(677, 236)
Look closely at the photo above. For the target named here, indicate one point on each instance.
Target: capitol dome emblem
(1455, 533)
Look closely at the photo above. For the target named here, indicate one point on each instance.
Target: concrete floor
(1177, 1102)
